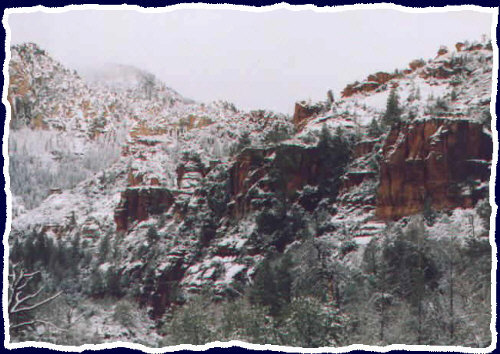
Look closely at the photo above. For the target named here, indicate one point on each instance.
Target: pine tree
(313, 324)
(263, 290)
(374, 129)
(334, 154)
(377, 270)
(273, 285)
(104, 248)
(243, 142)
(113, 283)
(191, 324)
(330, 97)
(393, 111)
(97, 283)
(152, 234)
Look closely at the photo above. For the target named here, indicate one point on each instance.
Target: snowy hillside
(178, 210)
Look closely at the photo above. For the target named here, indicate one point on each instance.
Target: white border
(494, 11)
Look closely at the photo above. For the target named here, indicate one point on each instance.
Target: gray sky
(256, 60)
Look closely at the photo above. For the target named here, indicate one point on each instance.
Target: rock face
(138, 203)
(189, 174)
(459, 46)
(303, 110)
(416, 64)
(442, 51)
(444, 162)
(371, 83)
(364, 147)
(297, 166)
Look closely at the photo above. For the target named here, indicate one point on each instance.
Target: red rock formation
(138, 203)
(355, 178)
(359, 170)
(459, 46)
(189, 167)
(134, 178)
(298, 166)
(304, 111)
(442, 51)
(364, 147)
(380, 77)
(165, 287)
(415, 64)
(245, 172)
(371, 83)
(434, 159)
(442, 72)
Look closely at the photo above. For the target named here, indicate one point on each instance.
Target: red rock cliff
(444, 161)
(138, 203)
(304, 110)
(297, 165)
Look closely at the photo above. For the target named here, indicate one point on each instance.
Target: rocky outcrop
(304, 110)
(139, 203)
(189, 173)
(355, 178)
(416, 64)
(459, 46)
(166, 284)
(295, 166)
(445, 162)
(364, 147)
(362, 168)
(444, 70)
(372, 82)
(245, 172)
(442, 51)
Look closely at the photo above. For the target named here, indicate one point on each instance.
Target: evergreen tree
(334, 154)
(243, 142)
(97, 283)
(273, 285)
(393, 111)
(152, 234)
(413, 272)
(191, 324)
(30, 253)
(312, 324)
(16, 251)
(113, 283)
(76, 251)
(374, 129)
(104, 248)
(429, 213)
(276, 135)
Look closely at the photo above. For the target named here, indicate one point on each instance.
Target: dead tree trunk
(21, 301)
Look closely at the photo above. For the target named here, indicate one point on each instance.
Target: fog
(256, 60)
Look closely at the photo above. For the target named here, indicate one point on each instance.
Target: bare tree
(23, 298)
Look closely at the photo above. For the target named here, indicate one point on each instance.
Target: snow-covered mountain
(171, 198)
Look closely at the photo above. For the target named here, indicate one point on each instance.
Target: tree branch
(35, 306)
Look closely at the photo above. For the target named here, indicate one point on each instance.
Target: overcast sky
(256, 60)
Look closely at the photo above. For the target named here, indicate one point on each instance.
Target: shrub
(190, 324)
(123, 314)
